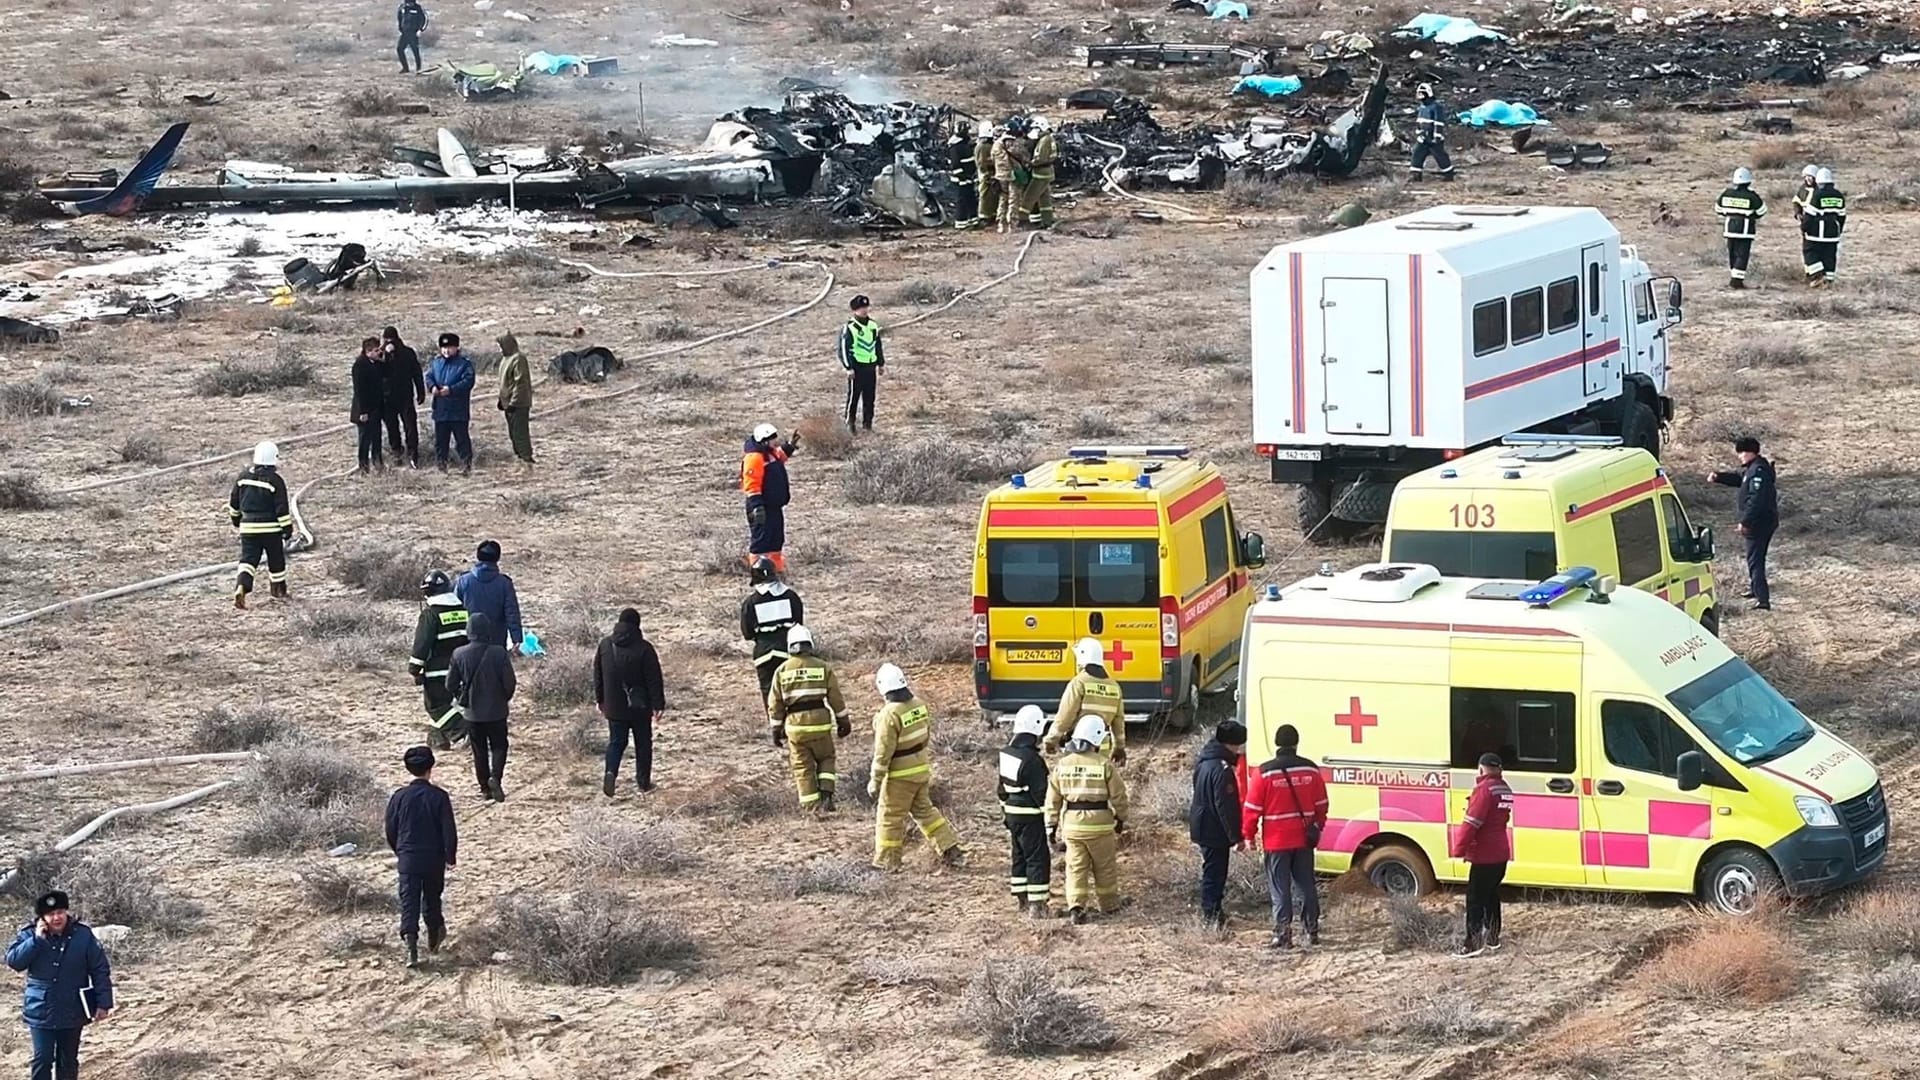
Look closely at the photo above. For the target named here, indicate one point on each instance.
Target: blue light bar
(1143, 480)
(1273, 592)
(1559, 585)
(1128, 452)
(1019, 480)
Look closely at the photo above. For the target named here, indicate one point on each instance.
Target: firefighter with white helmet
(1805, 191)
(1023, 799)
(1087, 809)
(903, 774)
(991, 189)
(807, 712)
(1091, 690)
(1430, 136)
(1821, 223)
(763, 484)
(1038, 202)
(263, 512)
(1740, 208)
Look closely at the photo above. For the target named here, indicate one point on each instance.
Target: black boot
(606, 784)
(496, 791)
(826, 802)
(1077, 915)
(435, 935)
(413, 949)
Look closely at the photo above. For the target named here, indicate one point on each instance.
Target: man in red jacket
(1483, 841)
(1287, 803)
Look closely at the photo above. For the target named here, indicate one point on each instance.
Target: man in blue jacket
(62, 959)
(422, 834)
(1213, 817)
(484, 590)
(450, 383)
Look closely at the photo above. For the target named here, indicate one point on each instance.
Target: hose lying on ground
(140, 810)
(123, 766)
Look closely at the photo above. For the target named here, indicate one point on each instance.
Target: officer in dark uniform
(1741, 208)
(412, 19)
(442, 628)
(1821, 223)
(1430, 136)
(766, 615)
(263, 512)
(1759, 508)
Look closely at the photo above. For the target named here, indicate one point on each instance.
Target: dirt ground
(1112, 327)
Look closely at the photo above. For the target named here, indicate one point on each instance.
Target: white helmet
(763, 432)
(1823, 177)
(1809, 172)
(1743, 175)
(1030, 720)
(798, 635)
(1424, 90)
(1088, 651)
(889, 678)
(1040, 123)
(1091, 729)
(266, 454)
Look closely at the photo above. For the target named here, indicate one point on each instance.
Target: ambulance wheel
(1737, 880)
(1710, 622)
(1186, 713)
(1399, 869)
(1641, 428)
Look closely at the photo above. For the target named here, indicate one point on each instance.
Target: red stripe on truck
(1192, 501)
(1294, 287)
(1522, 376)
(1419, 352)
(1088, 517)
(1615, 498)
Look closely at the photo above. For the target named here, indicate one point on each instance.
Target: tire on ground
(1399, 869)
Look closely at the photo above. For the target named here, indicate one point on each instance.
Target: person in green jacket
(516, 396)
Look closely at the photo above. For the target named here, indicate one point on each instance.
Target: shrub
(1247, 192)
(386, 570)
(32, 397)
(604, 840)
(828, 875)
(845, 30)
(337, 620)
(1589, 1044)
(723, 555)
(21, 490)
(945, 54)
(1204, 356)
(1165, 798)
(897, 971)
(740, 288)
(1882, 924)
(240, 377)
(922, 292)
(1095, 424)
(1771, 155)
(586, 737)
(370, 101)
(671, 329)
(248, 247)
(595, 937)
(224, 728)
(824, 435)
(1015, 1007)
(538, 503)
(110, 889)
(683, 379)
(564, 679)
(1748, 962)
(279, 826)
(1894, 990)
(1445, 1015)
(927, 473)
(169, 1064)
(1276, 1028)
(1778, 354)
(310, 774)
(1413, 925)
(142, 446)
(330, 887)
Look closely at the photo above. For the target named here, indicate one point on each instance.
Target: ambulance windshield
(1744, 716)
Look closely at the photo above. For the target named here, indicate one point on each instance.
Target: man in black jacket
(412, 19)
(421, 832)
(405, 390)
(437, 635)
(369, 402)
(263, 512)
(1759, 507)
(1023, 807)
(631, 694)
(1213, 817)
(767, 613)
(481, 680)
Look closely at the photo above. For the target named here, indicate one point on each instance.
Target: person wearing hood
(485, 590)
(763, 483)
(808, 712)
(1023, 807)
(901, 777)
(439, 632)
(1091, 690)
(768, 613)
(1213, 816)
(406, 389)
(450, 382)
(263, 512)
(631, 694)
(69, 984)
(516, 396)
(480, 678)
(368, 411)
(1086, 811)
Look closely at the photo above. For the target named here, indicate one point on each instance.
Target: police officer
(1430, 135)
(1821, 223)
(964, 170)
(807, 713)
(864, 360)
(442, 628)
(1023, 801)
(769, 611)
(1086, 809)
(1759, 508)
(1741, 208)
(260, 509)
(902, 775)
(412, 19)
(1039, 198)
(991, 190)
(1091, 691)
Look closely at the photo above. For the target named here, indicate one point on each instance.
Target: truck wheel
(1364, 501)
(1399, 869)
(1737, 880)
(1312, 503)
(1641, 428)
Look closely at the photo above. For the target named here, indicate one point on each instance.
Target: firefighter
(442, 628)
(902, 773)
(864, 359)
(763, 483)
(1430, 136)
(1091, 690)
(1039, 198)
(768, 612)
(1805, 191)
(991, 190)
(963, 168)
(807, 713)
(1011, 154)
(1087, 809)
(1742, 208)
(260, 509)
(1821, 223)
(1023, 806)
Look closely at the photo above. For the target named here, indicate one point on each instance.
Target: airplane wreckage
(887, 163)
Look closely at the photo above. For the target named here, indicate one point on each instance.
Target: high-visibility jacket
(1023, 780)
(1086, 694)
(766, 615)
(259, 503)
(1742, 207)
(860, 345)
(1825, 216)
(1044, 155)
(806, 698)
(902, 731)
(763, 476)
(442, 628)
(1284, 796)
(1085, 796)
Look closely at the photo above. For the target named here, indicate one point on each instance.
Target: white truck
(1382, 350)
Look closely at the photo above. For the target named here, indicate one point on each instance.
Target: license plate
(1283, 454)
(1034, 656)
(1874, 836)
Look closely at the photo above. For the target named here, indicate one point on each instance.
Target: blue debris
(1227, 9)
(1447, 29)
(1501, 114)
(1272, 86)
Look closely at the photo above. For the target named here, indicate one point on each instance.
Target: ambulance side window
(1636, 542)
(1640, 737)
(1679, 533)
(1531, 730)
(1215, 537)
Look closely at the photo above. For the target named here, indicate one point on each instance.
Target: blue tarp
(547, 63)
(1448, 30)
(530, 645)
(1500, 114)
(1227, 9)
(1272, 86)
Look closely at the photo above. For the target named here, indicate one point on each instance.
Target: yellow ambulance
(1643, 755)
(1134, 546)
(1539, 504)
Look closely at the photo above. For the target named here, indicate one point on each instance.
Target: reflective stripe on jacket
(259, 504)
(860, 345)
(806, 697)
(441, 629)
(901, 732)
(1085, 796)
(1023, 779)
(1825, 216)
(1742, 207)
(1098, 695)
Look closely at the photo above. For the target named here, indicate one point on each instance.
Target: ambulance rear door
(1117, 603)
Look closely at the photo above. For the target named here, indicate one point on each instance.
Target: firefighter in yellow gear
(1011, 155)
(1038, 202)
(1091, 690)
(1087, 808)
(807, 712)
(903, 773)
(991, 188)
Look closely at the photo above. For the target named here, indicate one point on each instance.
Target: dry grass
(1273, 1028)
(27, 398)
(946, 54)
(1587, 1043)
(308, 795)
(925, 293)
(110, 888)
(280, 827)
(170, 1064)
(330, 887)
(1882, 924)
(241, 377)
(1778, 354)
(846, 29)
(20, 490)
(1775, 155)
(369, 101)
(226, 728)
(828, 875)
(310, 774)
(604, 840)
(1444, 1015)
(595, 937)
(142, 446)
(585, 738)
(341, 619)
(1258, 193)
(928, 473)
(564, 679)
(1165, 798)
(386, 570)
(1095, 424)
(823, 434)
(1016, 1007)
(1748, 962)
(1413, 925)
(1893, 990)
(894, 972)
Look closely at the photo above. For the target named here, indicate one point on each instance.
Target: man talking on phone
(69, 985)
